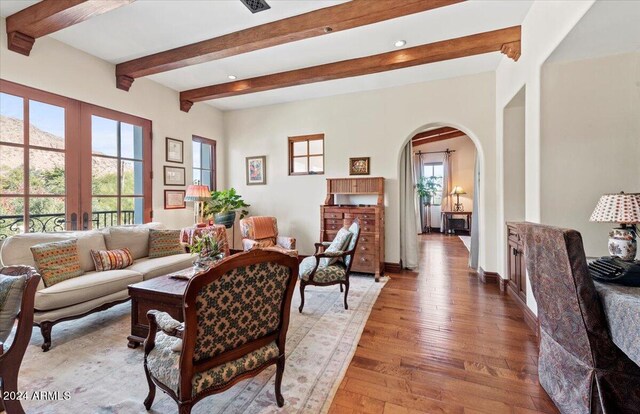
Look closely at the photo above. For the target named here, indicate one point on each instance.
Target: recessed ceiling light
(400, 43)
(232, 77)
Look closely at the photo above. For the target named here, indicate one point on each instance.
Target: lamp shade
(197, 193)
(618, 208)
(458, 190)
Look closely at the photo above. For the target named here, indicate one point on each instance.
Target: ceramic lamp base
(623, 243)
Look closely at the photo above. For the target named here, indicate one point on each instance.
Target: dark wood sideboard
(515, 264)
(369, 257)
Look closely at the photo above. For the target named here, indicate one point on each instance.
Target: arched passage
(433, 132)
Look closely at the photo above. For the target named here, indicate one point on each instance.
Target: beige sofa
(93, 291)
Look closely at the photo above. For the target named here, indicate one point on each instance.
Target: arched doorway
(426, 160)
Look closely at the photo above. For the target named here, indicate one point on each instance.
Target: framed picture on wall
(175, 150)
(174, 199)
(257, 170)
(174, 175)
(359, 166)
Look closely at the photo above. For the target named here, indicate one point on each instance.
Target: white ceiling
(609, 28)
(149, 26)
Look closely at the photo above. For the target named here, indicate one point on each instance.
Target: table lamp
(457, 190)
(620, 208)
(198, 194)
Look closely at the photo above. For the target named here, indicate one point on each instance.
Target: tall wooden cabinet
(515, 265)
(369, 257)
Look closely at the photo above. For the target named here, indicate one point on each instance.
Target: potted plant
(207, 249)
(427, 188)
(223, 206)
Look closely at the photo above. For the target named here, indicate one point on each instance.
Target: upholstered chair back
(355, 230)
(579, 366)
(240, 302)
(259, 227)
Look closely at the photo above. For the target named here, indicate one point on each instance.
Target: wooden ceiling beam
(475, 44)
(434, 132)
(333, 19)
(436, 138)
(49, 16)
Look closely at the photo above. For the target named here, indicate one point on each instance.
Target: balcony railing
(10, 225)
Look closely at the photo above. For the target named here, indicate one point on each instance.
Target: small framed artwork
(257, 170)
(174, 175)
(175, 150)
(359, 166)
(174, 199)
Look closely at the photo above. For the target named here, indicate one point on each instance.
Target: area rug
(90, 361)
(466, 240)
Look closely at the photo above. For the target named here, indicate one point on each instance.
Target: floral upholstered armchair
(332, 266)
(579, 366)
(259, 232)
(18, 286)
(236, 318)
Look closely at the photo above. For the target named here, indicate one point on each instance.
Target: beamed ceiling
(294, 50)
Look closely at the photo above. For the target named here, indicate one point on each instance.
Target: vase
(226, 219)
(623, 244)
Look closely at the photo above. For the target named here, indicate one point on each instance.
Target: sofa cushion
(15, 249)
(159, 266)
(11, 289)
(111, 259)
(164, 243)
(57, 261)
(86, 287)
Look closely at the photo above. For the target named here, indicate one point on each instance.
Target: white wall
(462, 165)
(590, 141)
(514, 158)
(57, 68)
(375, 124)
(544, 27)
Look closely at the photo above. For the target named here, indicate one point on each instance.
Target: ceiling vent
(256, 5)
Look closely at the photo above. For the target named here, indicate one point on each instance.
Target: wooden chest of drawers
(369, 256)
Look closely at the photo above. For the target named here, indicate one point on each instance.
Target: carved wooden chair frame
(187, 333)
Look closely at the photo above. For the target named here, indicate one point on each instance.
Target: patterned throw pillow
(338, 244)
(164, 243)
(11, 288)
(57, 261)
(111, 259)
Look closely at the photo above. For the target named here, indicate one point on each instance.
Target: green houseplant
(427, 188)
(223, 206)
(207, 249)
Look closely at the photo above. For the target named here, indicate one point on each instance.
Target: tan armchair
(259, 232)
(17, 290)
(236, 318)
(332, 265)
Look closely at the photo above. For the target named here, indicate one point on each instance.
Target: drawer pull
(363, 259)
(363, 248)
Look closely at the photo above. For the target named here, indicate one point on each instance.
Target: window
(306, 154)
(435, 172)
(204, 161)
(68, 165)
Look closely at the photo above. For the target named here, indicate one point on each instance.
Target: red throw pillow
(111, 259)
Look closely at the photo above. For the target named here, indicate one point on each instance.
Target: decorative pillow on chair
(164, 243)
(11, 288)
(57, 261)
(338, 244)
(111, 259)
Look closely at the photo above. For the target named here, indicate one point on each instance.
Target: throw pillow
(57, 261)
(164, 243)
(11, 288)
(338, 244)
(111, 259)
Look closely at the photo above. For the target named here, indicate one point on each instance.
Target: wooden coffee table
(162, 293)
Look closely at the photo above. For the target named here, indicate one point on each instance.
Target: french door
(67, 165)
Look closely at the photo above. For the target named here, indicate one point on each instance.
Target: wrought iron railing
(14, 224)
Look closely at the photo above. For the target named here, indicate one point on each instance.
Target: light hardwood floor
(441, 341)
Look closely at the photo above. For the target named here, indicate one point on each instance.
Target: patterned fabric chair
(236, 318)
(579, 366)
(17, 291)
(317, 270)
(262, 232)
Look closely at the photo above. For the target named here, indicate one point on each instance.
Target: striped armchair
(259, 232)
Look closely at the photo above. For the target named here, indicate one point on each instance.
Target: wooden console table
(447, 215)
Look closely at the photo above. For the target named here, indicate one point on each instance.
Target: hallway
(441, 341)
